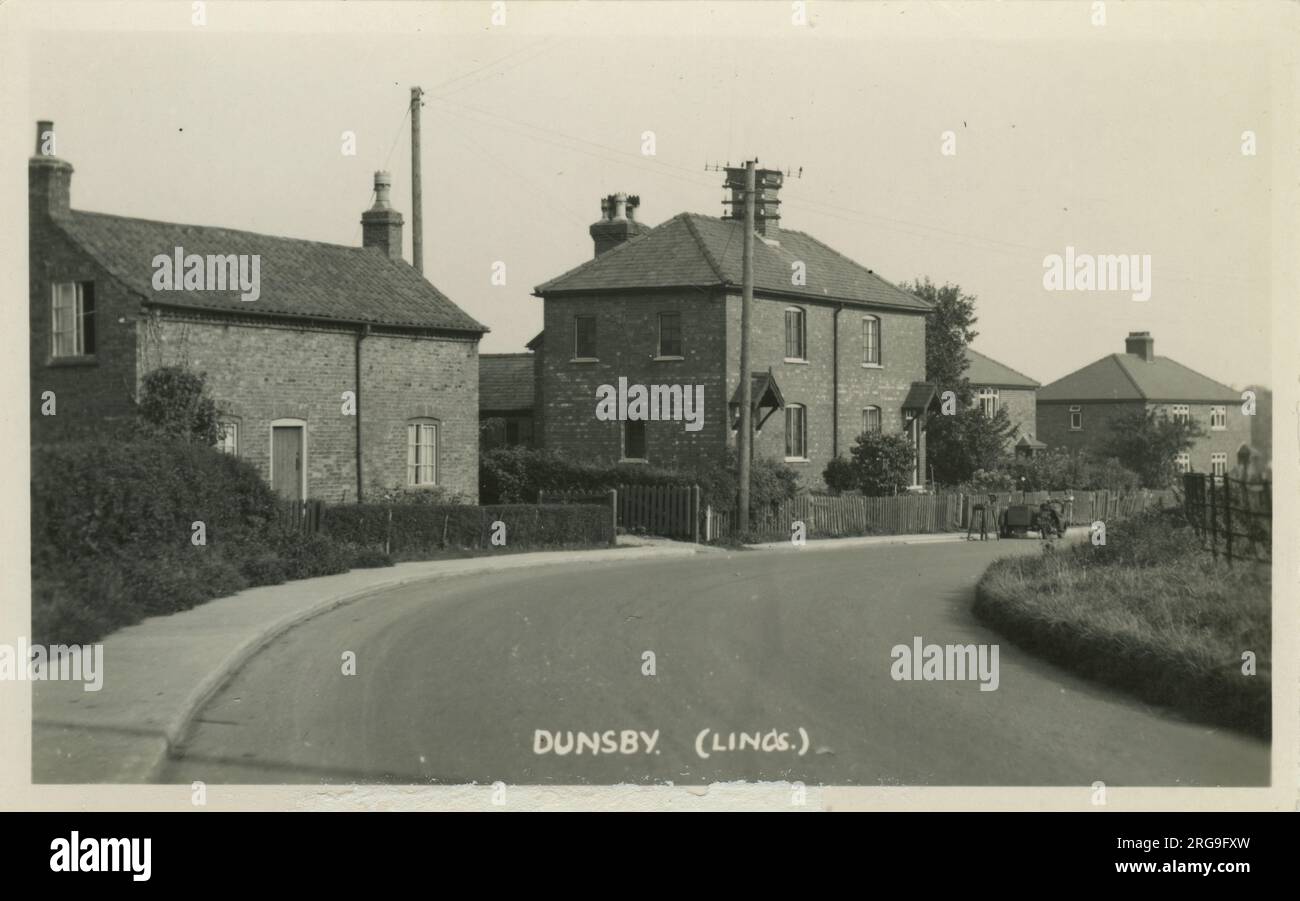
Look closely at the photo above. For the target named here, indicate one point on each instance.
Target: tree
(960, 444)
(880, 464)
(948, 331)
(174, 403)
(1147, 441)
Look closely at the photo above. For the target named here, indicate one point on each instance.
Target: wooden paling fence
(846, 515)
(300, 516)
(1234, 517)
(1088, 506)
(670, 511)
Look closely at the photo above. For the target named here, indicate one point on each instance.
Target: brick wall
(87, 390)
(260, 373)
(627, 335)
(811, 384)
(1054, 428)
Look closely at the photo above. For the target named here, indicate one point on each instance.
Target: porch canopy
(765, 398)
(918, 398)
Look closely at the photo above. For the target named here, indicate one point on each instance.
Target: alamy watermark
(1101, 272)
(215, 272)
(922, 662)
(653, 402)
(55, 663)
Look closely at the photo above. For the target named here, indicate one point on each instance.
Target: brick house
(996, 386)
(835, 350)
(505, 400)
(1076, 410)
(328, 319)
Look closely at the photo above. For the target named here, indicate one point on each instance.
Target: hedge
(418, 529)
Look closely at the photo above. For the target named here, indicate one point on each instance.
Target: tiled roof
(1120, 377)
(987, 371)
(919, 396)
(691, 250)
(505, 382)
(298, 278)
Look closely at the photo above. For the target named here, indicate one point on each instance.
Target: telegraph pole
(417, 216)
(746, 382)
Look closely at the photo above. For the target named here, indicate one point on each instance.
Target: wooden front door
(286, 461)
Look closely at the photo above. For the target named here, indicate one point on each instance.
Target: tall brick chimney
(49, 179)
(1140, 344)
(381, 225)
(767, 203)
(617, 222)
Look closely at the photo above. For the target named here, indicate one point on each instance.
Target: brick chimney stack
(49, 179)
(617, 222)
(1140, 344)
(767, 202)
(381, 225)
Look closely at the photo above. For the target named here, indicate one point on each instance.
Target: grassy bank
(1148, 612)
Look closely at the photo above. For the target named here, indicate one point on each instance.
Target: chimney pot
(1141, 344)
(49, 179)
(381, 225)
(617, 221)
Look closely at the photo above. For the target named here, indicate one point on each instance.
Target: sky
(1122, 138)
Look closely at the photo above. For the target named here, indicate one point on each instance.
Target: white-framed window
(634, 440)
(1219, 464)
(228, 437)
(989, 403)
(422, 452)
(1183, 462)
(584, 337)
(1218, 418)
(796, 337)
(1076, 419)
(1180, 413)
(796, 432)
(871, 419)
(670, 334)
(72, 331)
(870, 341)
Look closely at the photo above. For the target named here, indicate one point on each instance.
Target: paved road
(454, 679)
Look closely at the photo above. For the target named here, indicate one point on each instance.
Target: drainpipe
(835, 381)
(362, 334)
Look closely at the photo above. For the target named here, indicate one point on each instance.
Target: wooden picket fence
(835, 517)
(300, 516)
(1087, 507)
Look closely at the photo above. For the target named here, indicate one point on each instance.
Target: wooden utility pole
(746, 382)
(417, 215)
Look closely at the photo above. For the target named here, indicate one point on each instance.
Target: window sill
(797, 460)
(634, 460)
(82, 360)
(872, 366)
(668, 358)
(802, 361)
(585, 360)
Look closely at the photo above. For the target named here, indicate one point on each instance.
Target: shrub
(308, 556)
(841, 475)
(174, 404)
(368, 558)
(881, 464)
(263, 570)
(1060, 470)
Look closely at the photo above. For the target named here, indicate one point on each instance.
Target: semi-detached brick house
(330, 319)
(836, 349)
(1076, 410)
(996, 386)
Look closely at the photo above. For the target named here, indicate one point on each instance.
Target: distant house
(836, 349)
(347, 374)
(996, 386)
(1076, 411)
(1261, 424)
(505, 400)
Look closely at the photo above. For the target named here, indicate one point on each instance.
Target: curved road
(455, 678)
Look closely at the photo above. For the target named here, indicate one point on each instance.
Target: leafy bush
(959, 444)
(879, 465)
(264, 570)
(1060, 469)
(141, 498)
(368, 558)
(174, 404)
(308, 556)
(1147, 441)
(434, 496)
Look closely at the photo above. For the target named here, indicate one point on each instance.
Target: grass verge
(1148, 612)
